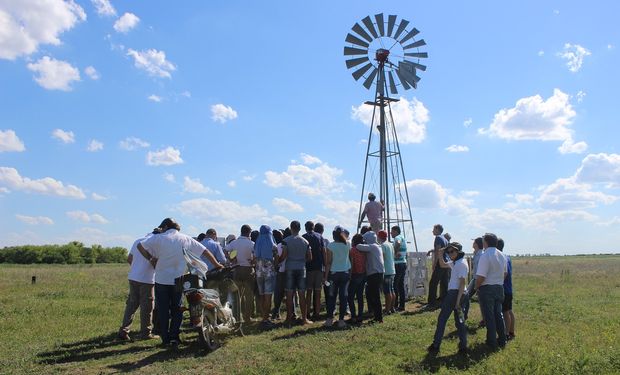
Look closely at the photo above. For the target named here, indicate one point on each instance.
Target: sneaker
(123, 336)
(328, 323)
(432, 349)
(149, 336)
(342, 324)
(174, 344)
(306, 321)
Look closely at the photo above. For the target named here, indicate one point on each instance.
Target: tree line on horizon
(72, 253)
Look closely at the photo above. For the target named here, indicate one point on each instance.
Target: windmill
(378, 50)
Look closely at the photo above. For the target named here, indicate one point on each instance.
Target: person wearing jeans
(374, 272)
(456, 299)
(337, 268)
(400, 263)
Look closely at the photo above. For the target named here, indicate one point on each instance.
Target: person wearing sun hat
(456, 298)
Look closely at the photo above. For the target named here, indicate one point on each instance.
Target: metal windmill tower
(376, 51)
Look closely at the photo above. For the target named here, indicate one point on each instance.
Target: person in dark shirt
(314, 270)
(440, 275)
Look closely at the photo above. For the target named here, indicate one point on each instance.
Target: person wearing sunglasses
(456, 299)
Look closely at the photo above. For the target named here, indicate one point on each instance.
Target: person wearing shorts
(295, 251)
(264, 250)
(390, 271)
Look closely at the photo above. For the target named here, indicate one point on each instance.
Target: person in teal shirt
(400, 263)
(390, 271)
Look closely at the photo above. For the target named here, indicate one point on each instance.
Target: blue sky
(116, 114)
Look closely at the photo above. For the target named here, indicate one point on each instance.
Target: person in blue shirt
(509, 316)
(214, 247)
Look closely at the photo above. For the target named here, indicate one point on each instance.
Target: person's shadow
(433, 362)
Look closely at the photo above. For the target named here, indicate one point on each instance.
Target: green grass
(567, 310)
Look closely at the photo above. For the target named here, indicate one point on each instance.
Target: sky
(116, 114)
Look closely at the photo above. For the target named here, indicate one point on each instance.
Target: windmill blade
(401, 28)
(391, 22)
(368, 22)
(380, 23)
(419, 43)
(371, 77)
(354, 51)
(411, 34)
(392, 84)
(355, 40)
(417, 54)
(360, 30)
(360, 72)
(354, 62)
(417, 66)
(402, 80)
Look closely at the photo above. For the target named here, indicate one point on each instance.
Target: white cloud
(541, 53)
(309, 159)
(610, 46)
(126, 22)
(85, 217)
(570, 147)
(94, 145)
(92, 73)
(98, 197)
(467, 122)
(10, 142)
(556, 12)
(600, 169)
(222, 113)
(167, 156)
(104, 7)
(529, 218)
(410, 119)
(574, 55)
(54, 74)
(229, 215)
(533, 118)
(567, 194)
(153, 62)
(580, 96)
(248, 178)
(284, 205)
(429, 194)
(341, 212)
(169, 177)
(34, 220)
(195, 186)
(26, 24)
(308, 180)
(457, 148)
(133, 143)
(63, 136)
(10, 178)
(232, 183)
(155, 98)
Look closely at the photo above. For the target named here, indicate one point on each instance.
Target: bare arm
(146, 255)
(461, 292)
(479, 281)
(308, 255)
(207, 254)
(442, 263)
(328, 263)
(129, 258)
(284, 254)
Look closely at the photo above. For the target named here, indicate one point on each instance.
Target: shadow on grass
(303, 331)
(434, 362)
(88, 349)
(165, 354)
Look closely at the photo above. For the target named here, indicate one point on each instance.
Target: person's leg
(432, 286)
(317, 302)
(175, 312)
(268, 290)
(399, 281)
(443, 282)
(500, 325)
(447, 307)
(146, 309)
(351, 298)
(461, 328)
(511, 327)
(162, 303)
(360, 296)
(308, 301)
(131, 305)
(343, 290)
(487, 305)
(331, 297)
(375, 290)
(278, 294)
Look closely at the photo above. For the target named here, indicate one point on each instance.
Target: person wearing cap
(165, 252)
(456, 298)
(390, 271)
(374, 273)
(373, 210)
(492, 269)
(400, 265)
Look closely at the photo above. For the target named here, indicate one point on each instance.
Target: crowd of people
(277, 265)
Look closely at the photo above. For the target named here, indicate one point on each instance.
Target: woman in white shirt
(456, 299)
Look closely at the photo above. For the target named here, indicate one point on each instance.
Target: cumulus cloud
(98, 197)
(63, 136)
(580, 96)
(10, 142)
(133, 143)
(155, 98)
(85, 217)
(410, 119)
(528, 218)
(169, 177)
(457, 148)
(229, 215)
(570, 147)
(94, 146)
(467, 122)
(26, 24)
(567, 193)
(308, 179)
(10, 178)
(574, 55)
(195, 186)
(222, 113)
(167, 156)
(153, 62)
(429, 194)
(54, 74)
(533, 118)
(34, 220)
(600, 169)
(126, 22)
(232, 183)
(284, 205)
(104, 7)
(92, 73)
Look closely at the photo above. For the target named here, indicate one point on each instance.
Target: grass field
(567, 310)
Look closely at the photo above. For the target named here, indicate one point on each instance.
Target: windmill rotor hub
(382, 55)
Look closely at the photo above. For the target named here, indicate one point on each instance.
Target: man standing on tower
(374, 211)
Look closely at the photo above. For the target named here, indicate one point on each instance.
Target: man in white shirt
(165, 253)
(242, 250)
(492, 268)
(141, 284)
(374, 211)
